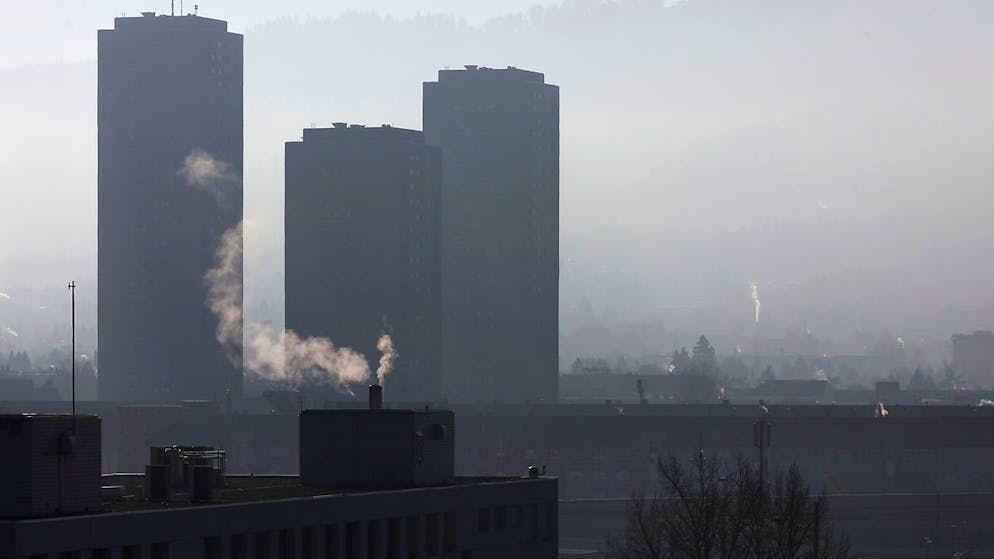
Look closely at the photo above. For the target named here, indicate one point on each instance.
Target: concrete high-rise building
(499, 134)
(169, 116)
(362, 247)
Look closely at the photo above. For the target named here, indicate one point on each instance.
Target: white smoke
(270, 353)
(755, 299)
(4, 296)
(202, 169)
(388, 356)
(880, 410)
(984, 402)
(900, 342)
(12, 332)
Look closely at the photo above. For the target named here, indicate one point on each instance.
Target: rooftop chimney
(375, 397)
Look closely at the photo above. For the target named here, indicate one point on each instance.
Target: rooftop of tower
(472, 71)
(151, 20)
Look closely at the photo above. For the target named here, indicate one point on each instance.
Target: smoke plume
(880, 410)
(269, 353)
(388, 356)
(202, 169)
(4, 295)
(11, 332)
(755, 299)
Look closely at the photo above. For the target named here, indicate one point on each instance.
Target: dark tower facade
(169, 117)
(499, 134)
(362, 236)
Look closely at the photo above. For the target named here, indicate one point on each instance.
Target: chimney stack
(375, 397)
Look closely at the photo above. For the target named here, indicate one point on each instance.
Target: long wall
(609, 451)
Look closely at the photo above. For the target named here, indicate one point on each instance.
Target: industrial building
(169, 142)
(362, 235)
(387, 490)
(973, 357)
(498, 130)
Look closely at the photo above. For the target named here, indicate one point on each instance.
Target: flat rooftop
(148, 21)
(474, 72)
(250, 488)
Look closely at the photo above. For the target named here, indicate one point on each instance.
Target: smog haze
(832, 154)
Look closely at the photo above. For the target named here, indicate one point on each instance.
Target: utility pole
(72, 290)
(817, 528)
(761, 439)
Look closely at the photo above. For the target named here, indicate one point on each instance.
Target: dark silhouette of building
(362, 241)
(169, 116)
(387, 489)
(499, 134)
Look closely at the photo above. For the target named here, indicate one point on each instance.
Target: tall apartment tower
(362, 234)
(499, 135)
(169, 118)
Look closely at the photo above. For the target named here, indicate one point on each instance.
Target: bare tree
(702, 509)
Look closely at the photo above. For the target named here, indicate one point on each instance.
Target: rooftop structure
(50, 465)
(375, 484)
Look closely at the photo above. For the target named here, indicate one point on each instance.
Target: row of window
(503, 518)
(413, 536)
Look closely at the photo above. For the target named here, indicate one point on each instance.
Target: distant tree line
(732, 371)
(16, 362)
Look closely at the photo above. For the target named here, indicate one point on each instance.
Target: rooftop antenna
(172, 7)
(72, 291)
(196, 8)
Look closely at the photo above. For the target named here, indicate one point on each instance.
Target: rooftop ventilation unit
(184, 468)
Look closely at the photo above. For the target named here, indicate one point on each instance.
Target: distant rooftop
(474, 72)
(151, 20)
(247, 489)
(343, 131)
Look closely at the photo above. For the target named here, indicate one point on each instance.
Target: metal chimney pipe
(375, 397)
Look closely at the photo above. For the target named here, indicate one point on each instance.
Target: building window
(131, 552)
(286, 544)
(450, 532)
(262, 545)
(352, 540)
(333, 541)
(238, 548)
(414, 539)
(374, 538)
(517, 517)
(212, 548)
(160, 550)
(102, 553)
(431, 526)
(500, 518)
(483, 520)
(546, 522)
(308, 543)
(395, 536)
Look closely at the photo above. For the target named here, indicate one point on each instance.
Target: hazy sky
(837, 153)
(45, 31)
